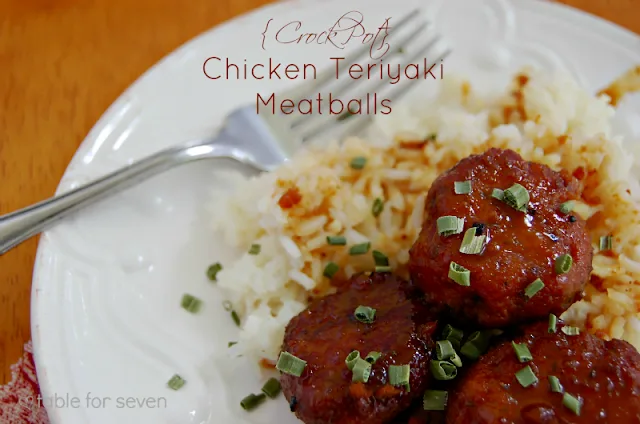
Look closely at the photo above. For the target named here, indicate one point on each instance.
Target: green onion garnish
(255, 249)
(380, 258)
(358, 162)
(462, 187)
(351, 359)
(476, 345)
(459, 274)
(336, 240)
(289, 364)
(522, 352)
(399, 375)
(572, 403)
(235, 317)
(570, 331)
(556, 387)
(176, 382)
(213, 270)
(533, 288)
(472, 244)
(563, 264)
(443, 370)
(271, 388)
(526, 377)
(372, 357)
(330, 270)
(566, 207)
(359, 249)
(453, 335)
(449, 225)
(553, 323)
(361, 371)
(378, 207)
(383, 269)
(455, 360)
(252, 401)
(606, 243)
(497, 194)
(435, 400)
(444, 350)
(190, 303)
(365, 314)
(231, 344)
(517, 197)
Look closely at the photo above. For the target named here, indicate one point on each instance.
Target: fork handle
(21, 225)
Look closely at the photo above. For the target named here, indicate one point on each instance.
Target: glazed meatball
(604, 376)
(327, 332)
(521, 245)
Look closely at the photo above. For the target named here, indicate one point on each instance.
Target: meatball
(327, 332)
(521, 245)
(603, 375)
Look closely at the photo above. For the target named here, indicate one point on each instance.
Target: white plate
(106, 317)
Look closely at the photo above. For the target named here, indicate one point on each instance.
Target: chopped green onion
(606, 243)
(255, 249)
(476, 345)
(271, 388)
(360, 249)
(455, 360)
(453, 335)
(252, 401)
(462, 187)
(533, 288)
(176, 382)
(522, 352)
(432, 137)
(435, 400)
(213, 270)
(443, 370)
(459, 274)
(235, 318)
(472, 244)
(556, 387)
(566, 207)
(372, 357)
(289, 364)
(380, 258)
(399, 375)
(351, 359)
(330, 270)
(365, 314)
(449, 225)
(361, 371)
(358, 162)
(378, 207)
(517, 197)
(553, 323)
(497, 194)
(231, 344)
(572, 403)
(190, 303)
(336, 240)
(563, 264)
(383, 269)
(570, 331)
(444, 350)
(526, 377)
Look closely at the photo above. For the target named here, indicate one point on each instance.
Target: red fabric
(19, 402)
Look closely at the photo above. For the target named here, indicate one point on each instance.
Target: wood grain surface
(62, 63)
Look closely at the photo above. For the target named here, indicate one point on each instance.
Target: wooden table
(62, 62)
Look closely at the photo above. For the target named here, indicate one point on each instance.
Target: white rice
(565, 127)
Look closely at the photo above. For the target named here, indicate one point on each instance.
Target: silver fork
(261, 142)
